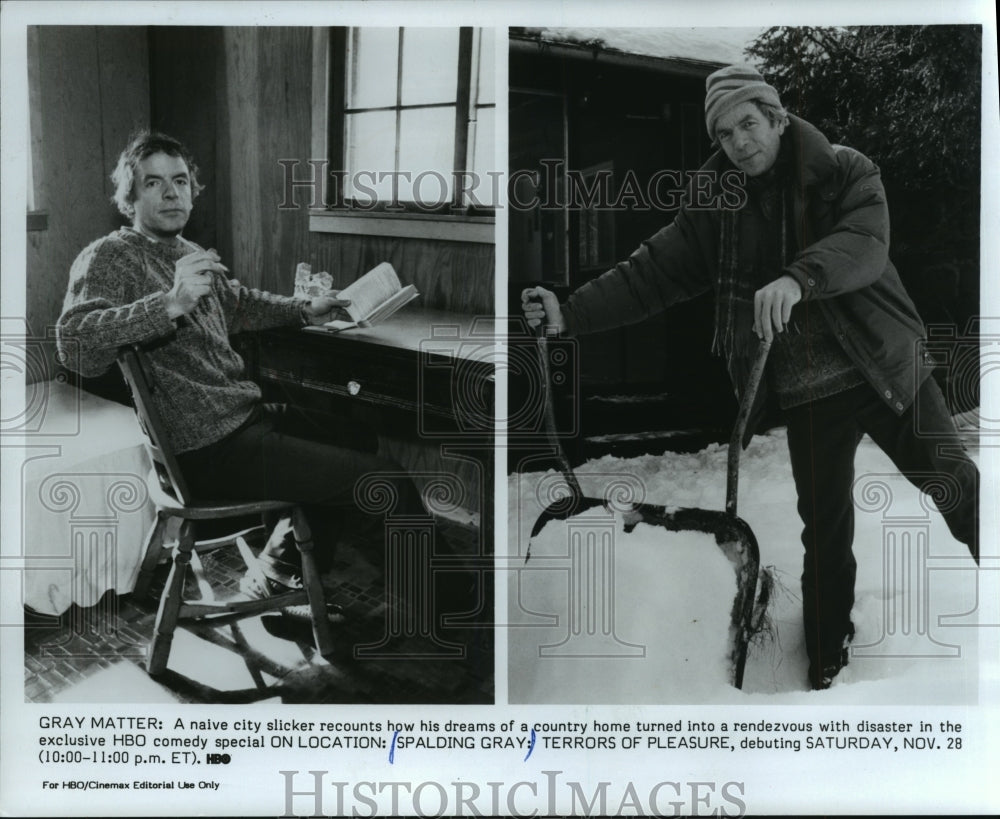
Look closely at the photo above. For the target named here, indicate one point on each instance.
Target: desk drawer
(383, 379)
(440, 393)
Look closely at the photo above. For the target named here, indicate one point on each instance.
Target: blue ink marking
(531, 745)
(392, 748)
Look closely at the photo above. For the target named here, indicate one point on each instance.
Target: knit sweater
(116, 297)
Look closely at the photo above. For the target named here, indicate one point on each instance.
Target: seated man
(148, 285)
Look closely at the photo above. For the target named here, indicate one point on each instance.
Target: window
(538, 215)
(37, 217)
(595, 224)
(410, 120)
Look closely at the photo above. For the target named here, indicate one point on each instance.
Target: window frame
(449, 221)
(37, 215)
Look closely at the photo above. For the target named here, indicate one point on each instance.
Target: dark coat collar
(810, 152)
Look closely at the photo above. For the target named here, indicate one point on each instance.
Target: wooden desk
(425, 376)
(423, 380)
(433, 370)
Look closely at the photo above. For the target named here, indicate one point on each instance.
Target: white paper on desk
(337, 325)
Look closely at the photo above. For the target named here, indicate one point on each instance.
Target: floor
(98, 654)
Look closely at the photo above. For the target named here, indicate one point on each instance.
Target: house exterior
(610, 121)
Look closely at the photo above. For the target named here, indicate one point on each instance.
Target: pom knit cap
(729, 86)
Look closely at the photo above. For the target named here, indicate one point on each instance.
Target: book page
(395, 302)
(367, 293)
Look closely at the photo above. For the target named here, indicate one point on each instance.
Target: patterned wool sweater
(116, 297)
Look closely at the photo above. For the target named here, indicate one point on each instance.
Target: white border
(811, 784)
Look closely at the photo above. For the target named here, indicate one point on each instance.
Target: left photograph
(258, 351)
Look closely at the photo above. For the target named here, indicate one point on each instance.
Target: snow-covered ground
(648, 624)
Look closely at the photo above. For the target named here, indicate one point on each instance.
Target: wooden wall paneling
(81, 109)
(183, 91)
(284, 118)
(123, 88)
(452, 275)
(242, 106)
(225, 239)
(341, 256)
(449, 275)
(71, 185)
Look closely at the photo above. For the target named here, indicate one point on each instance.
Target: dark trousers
(282, 454)
(823, 437)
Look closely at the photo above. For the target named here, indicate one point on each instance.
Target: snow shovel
(732, 534)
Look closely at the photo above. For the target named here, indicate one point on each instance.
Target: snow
(622, 662)
(671, 592)
(714, 45)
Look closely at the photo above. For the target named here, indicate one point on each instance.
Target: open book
(374, 297)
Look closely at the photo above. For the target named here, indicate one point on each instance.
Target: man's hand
(192, 281)
(325, 308)
(772, 306)
(541, 305)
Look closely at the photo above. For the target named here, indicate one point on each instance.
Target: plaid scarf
(734, 338)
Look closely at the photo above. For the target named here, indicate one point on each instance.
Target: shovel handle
(551, 430)
(742, 418)
(735, 442)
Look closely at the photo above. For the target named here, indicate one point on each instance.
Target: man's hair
(775, 113)
(143, 144)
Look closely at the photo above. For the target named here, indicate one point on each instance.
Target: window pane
(486, 66)
(371, 148)
(430, 65)
(427, 146)
(482, 193)
(372, 64)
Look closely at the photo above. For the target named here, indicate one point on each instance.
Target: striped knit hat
(732, 85)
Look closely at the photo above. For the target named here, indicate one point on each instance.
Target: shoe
(822, 678)
(274, 577)
(295, 622)
(845, 650)
(279, 577)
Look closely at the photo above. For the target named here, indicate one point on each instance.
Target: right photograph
(744, 365)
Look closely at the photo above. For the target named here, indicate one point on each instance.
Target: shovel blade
(737, 541)
(732, 535)
(563, 510)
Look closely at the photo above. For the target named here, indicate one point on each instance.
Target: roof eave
(595, 52)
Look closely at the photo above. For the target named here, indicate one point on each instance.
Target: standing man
(800, 256)
(146, 284)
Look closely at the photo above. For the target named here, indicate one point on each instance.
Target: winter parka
(841, 221)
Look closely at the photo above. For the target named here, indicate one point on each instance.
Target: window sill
(479, 229)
